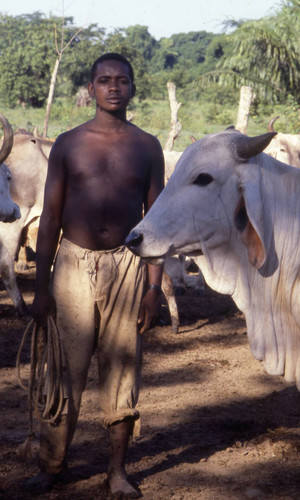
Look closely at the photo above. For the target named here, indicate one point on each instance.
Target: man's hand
(42, 306)
(149, 310)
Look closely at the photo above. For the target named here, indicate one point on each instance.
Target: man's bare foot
(120, 488)
(41, 483)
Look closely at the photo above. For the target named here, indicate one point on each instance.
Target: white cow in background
(176, 279)
(284, 147)
(27, 162)
(9, 211)
(171, 158)
(237, 212)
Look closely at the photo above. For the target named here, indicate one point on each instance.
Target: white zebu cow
(176, 280)
(9, 211)
(27, 162)
(284, 147)
(171, 158)
(237, 212)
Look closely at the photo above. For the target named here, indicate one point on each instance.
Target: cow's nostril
(134, 239)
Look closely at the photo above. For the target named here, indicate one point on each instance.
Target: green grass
(198, 118)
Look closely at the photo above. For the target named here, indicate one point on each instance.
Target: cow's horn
(271, 123)
(8, 139)
(247, 147)
(36, 132)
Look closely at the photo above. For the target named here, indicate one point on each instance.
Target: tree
(139, 38)
(266, 54)
(60, 48)
(88, 45)
(192, 46)
(117, 41)
(165, 56)
(26, 56)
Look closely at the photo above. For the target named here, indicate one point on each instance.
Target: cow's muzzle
(14, 215)
(133, 241)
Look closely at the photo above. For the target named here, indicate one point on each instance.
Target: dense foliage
(27, 50)
(264, 54)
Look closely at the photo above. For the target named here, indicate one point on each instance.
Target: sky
(162, 17)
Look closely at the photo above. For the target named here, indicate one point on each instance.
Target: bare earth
(215, 426)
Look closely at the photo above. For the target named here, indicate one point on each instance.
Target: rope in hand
(45, 385)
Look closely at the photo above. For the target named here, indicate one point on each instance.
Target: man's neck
(113, 121)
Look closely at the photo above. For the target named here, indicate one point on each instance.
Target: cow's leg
(28, 241)
(199, 290)
(9, 279)
(22, 264)
(168, 290)
(21, 256)
(180, 285)
(195, 280)
(175, 268)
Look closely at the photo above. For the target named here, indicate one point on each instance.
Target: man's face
(112, 86)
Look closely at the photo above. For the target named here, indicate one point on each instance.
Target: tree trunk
(246, 97)
(175, 123)
(51, 94)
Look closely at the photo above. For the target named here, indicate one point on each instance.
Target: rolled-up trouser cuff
(120, 415)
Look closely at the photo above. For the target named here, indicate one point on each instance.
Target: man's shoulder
(74, 132)
(65, 142)
(71, 135)
(145, 136)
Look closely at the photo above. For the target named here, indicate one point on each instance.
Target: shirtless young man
(102, 175)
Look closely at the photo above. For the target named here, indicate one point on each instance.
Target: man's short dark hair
(112, 56)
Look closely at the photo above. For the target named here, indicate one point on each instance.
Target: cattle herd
(228, 206)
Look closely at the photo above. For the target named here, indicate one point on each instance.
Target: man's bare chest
(120, 166)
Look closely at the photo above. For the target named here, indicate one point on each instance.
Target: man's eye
(203, 179)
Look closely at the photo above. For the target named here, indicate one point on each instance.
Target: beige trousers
(98, 295)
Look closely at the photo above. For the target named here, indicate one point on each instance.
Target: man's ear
(133, 91)
(90, 88)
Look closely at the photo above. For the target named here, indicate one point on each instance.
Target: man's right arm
(49, 232)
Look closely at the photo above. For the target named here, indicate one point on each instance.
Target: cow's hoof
(162, 322)
(41, 483)
(175, 325)
(21, 266)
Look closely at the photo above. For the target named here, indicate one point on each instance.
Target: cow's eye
(203, 179)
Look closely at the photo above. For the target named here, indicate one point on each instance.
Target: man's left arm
(151, 302)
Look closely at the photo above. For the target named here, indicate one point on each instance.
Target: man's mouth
(114, 99)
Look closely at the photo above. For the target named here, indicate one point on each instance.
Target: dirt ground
(215, 426)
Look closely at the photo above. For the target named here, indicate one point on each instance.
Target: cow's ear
(249, 235)
(249, 213)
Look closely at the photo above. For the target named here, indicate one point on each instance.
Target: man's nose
(114, 86)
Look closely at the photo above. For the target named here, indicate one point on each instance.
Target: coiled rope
(45, 386)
